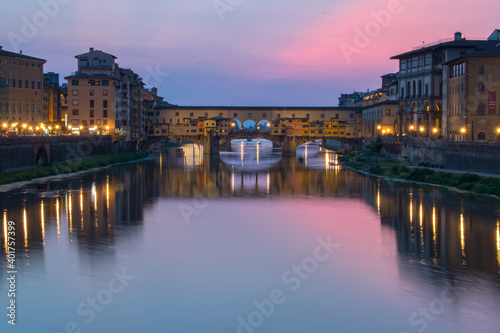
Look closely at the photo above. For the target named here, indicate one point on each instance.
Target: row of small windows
(264, 115)
(75, 112)
(76, 92)
(76, 102)
(18, 83)
(459, 110)
(12, 107)
(415, 90)
(76, 122)
(20, 63)
(458, 70)
(91, 82)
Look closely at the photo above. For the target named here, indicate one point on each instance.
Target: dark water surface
(250, 242)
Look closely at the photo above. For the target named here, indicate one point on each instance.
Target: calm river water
(248, 242)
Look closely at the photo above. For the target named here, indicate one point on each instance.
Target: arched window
(481, 136)
(414, 89)
(419, 88)
(408, 89)
(480, 87)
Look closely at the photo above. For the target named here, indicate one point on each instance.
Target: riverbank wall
(464, 156)
(29, 152)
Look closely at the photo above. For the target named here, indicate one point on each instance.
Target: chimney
(458, 35)
(91, 49)
(21, 52)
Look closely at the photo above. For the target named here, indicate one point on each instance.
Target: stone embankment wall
(27, 152)
(465, 156)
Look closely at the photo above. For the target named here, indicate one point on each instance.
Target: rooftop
(19, 55)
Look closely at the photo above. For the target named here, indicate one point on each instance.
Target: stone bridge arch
(42, 154)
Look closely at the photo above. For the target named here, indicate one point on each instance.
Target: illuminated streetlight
(388, 130)
(4, 125)
(422, 129)
(383, 131)
(31, 128)
(434, 130)
(498, 130)
(37, 128)
(107, 127)
(379, 127)
(24, 125)
(57, 126)
(70, 127)
(463, 130)
(412, 128)
(81, 127)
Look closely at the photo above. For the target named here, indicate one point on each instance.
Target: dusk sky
(242, 52)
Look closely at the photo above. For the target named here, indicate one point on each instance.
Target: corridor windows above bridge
(264, 115)
(249, 115)
(177, 114)
(191, 114)
(235, 115)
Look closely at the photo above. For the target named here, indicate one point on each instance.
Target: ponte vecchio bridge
(287, 127)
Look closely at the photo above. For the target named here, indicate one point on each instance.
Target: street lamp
(498, 130)
(412, 128)
(379, 127)
(463, 130)
(422, 129)
(4, 125)
(434, 130)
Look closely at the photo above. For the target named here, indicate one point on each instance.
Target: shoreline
(459, 181)
(67, 169)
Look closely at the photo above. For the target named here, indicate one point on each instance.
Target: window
(220, 114)
(235, 115)
(177, 114)
(352, 115)
(75, 82)
(32, 84)
(98, 121)
(308, 115)
(91, 113)
(105, 83)
(92, 93)
(91, 103)
(91, 82)
(105, 103)
(293, 115)
(105, 122)
(191, 114)
(75, 112)
(481, 71)
(426, 90)
(105, 93)
(480, 87)
(74, 102)
(74, 92)
(250, 115)
(480, 109)
(26, 84)
(387, 111)
(278, 116)
(322, 115)
(91, 121)
(105, 113)
(481, 136)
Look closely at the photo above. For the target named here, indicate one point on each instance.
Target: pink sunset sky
(242, 52)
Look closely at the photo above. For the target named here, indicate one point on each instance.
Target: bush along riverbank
(385, 167)
(70, 167)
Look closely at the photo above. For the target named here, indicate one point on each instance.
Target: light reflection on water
(205, 238)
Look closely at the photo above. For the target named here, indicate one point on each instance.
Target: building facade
(21, 90)
(104, 98)
(473, 97)
(422, 82)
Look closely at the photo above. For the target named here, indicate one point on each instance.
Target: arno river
(248, 242)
